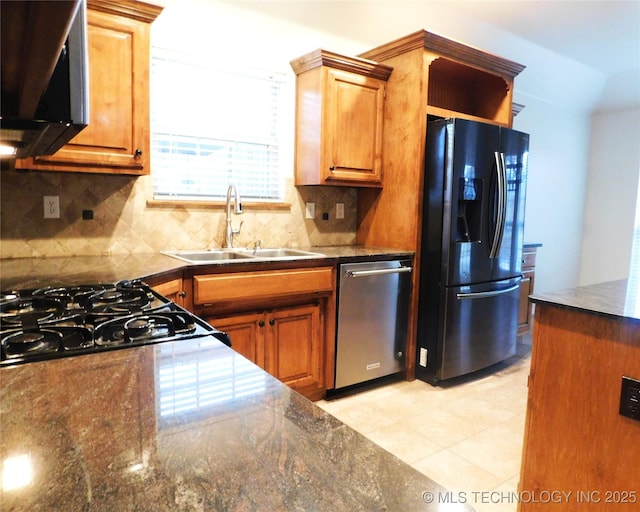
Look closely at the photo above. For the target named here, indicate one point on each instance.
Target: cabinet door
(293, 347)
(353, 121)
(246, 332)
(172, 290)
(116, 140)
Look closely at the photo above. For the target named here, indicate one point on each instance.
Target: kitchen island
(185, 426)
(578, 448)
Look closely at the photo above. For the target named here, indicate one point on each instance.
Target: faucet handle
(237, 231)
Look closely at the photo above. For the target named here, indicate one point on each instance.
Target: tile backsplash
(124, 222)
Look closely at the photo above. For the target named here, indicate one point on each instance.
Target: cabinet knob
(261, 323)
(272, 322)
(332, 168)
(183, 294)
(137, 153)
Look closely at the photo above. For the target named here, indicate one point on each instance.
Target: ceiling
(602, 34)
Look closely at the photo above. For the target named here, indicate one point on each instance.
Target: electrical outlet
(423, 357)
(310, 211)
(339, 210)
(630, 398)
(51, 206)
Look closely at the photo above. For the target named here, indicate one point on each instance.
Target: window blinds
(211, 126)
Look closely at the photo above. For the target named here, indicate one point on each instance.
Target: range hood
(44, 101)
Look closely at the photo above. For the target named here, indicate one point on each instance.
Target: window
(633, 288)
(213, 125)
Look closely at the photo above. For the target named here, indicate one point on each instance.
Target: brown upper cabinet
(432, 75)
(461, 81)
(339, 120)
(117, 138)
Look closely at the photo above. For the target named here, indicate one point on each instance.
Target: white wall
(555, 189)
(614, 171)
(558, 93)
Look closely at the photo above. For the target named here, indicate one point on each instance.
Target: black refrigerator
(471, 254)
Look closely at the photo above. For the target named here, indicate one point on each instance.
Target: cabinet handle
(272, 322)
(183, 294)
(137, 153)
(332, 168)
(261, 323)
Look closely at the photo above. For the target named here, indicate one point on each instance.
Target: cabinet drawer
(528, 260)
(240, 286)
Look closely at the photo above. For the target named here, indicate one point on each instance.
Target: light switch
(339, 210)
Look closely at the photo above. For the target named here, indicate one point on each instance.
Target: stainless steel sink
(208, 256)
(280, 253)
(230, 255)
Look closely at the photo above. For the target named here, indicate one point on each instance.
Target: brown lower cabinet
(286, 342)
(283, 320)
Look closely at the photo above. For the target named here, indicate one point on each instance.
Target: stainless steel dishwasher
(373, 311)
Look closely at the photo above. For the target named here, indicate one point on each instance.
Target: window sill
(216, 205)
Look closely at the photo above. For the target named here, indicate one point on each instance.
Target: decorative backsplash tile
(124, 223)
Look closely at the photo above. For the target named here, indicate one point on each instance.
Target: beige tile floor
(466, 436)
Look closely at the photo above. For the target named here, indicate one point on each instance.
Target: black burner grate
(57, 322)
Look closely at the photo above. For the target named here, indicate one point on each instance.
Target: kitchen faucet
(237, 209)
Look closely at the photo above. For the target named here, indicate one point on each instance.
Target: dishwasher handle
(379, 271)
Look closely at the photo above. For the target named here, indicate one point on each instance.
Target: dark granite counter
(616, 299)
(180, 426)
(185, 426)
(350, 253)
(27, 273)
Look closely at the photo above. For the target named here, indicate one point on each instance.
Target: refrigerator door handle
(482, 295)
(503, 220)
(377, 272)
(501, 173)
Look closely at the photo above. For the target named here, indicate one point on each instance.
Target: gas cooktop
(53, 322)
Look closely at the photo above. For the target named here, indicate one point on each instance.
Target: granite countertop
(615, 299)
(29, 273)
(188, 425)
(185, 426)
